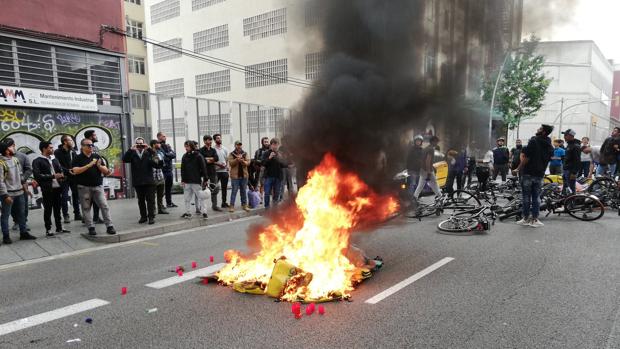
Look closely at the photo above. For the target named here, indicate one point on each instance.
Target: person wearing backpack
(610, 150)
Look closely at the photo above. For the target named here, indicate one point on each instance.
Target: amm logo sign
(9, 93)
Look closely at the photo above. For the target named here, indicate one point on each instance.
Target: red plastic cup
(296, 308)
(205, 281)
(194, 265)
(211, 259)
(123, 291)
(321, 310)
(309, 310)
(298, 316)
(180, 272)
(178, 268)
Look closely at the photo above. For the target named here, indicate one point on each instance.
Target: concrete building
(580, 93)
(615, 104)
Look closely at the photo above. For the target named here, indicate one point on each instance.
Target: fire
(314, 236)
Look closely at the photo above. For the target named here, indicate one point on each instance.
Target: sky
(560, 20)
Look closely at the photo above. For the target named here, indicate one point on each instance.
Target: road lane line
(408, 281)
(186, 276)
(119, 244)
(42, 318)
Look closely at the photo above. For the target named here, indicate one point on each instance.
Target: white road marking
(186, 276)
(42, 318)
(120, 244)
(417, 276)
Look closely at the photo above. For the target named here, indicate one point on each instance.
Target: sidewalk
(125, 217)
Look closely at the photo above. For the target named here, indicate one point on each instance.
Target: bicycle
(456, 201)
(607, 190)
(470, 222)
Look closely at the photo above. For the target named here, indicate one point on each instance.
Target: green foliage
(522, 85)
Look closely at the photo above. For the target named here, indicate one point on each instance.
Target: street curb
(134, 234)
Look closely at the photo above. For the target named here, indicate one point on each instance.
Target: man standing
(48, 173)
(88, 169)
(555, 165)
(158, 177)
(515, 154)
(169, 155)
(143, 160)
(427, 171)
(193, 174)
(26, 167)
(65, 154)
(500, 159)
(457, 161)
(288, 172)
(272, 163)
(258, 158)
(221, 167)
(534, 159)
(585, 158)
(11, 191)
(610, 150)
(211, 157)
(572, 160)
(90, 134)
(594, 157)
(414, 163)
(239, 162)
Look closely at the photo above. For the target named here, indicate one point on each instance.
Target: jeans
(530, 191)
(15, 209)
(412, 181)
(168, 179)
(89, 196)
(75, 199)
(272, 183)
(570, 179)
(146, 200)
(602, 169)
(239, 184)
(190, 191)
(585, 169)
(52, 203)
(500, 169)
(222, 177)
(427, 176)
(14, 213)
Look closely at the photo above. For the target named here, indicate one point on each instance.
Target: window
(265, 25)
(133, 28)
(105, 77)
(212, 124)
(136, 65)
(137, 2)
(268, 119)
(72, 67)
(314, 61)
(7, 70)
(313, 14)
(161, 54)
(165, 126)
(214, 82)
(198, 4)
(35, 64)
(139, 100)
(211, 39)
(268, 73)
(165, 10)
(170, 88)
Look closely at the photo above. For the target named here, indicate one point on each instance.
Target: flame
(314, 235)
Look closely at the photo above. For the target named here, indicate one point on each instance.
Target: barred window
(214, 82)
(72, 69)
(35, 64)
(165, 10)
(136, 65)
(265, 25)
(139, 100)
(165, 126)
(137, 2)
(313, 14)
(269, 120)
(133, 28)
(314, 62)
(268, 73)
(161, 54)
(210, 124)
(211, 38)
(7, 70)
(198, 4)
(170, 88)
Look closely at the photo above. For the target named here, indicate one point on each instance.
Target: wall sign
(49, 99)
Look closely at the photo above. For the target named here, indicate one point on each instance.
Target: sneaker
(142, 220)
(231, 209)
(524, 221)
(151, 221)
(535, 223)
(67, 219)
(225, 205)
(246, 208)
(217, 209)
(197, 211)
(172, 205)
(15, 227)
(110, 230)
(62, 231)
(92, 231)
(26, 236)
(49, 234)
(163, 212)
(7, 240)
(205, 216)
(186, 215)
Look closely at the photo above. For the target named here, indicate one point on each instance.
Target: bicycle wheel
(422, 210)
(458, 226)
(604, 189)
(584, 207)
(460, 200)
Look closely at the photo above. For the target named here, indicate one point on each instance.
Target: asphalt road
(517, 287)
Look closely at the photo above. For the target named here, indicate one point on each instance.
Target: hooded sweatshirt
(10, 177)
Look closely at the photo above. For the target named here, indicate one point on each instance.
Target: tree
(522, 86)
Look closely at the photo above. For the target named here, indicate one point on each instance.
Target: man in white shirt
(221, 167)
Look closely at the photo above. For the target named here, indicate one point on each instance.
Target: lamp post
(562, 110)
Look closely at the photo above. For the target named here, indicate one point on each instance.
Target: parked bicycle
(475, 221)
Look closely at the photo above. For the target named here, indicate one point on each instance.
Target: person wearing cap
(239, 161)
(193, 175)
(534, 160)
(414, 163)
(572, 160)
(501, 156)
(49, 174)
(11, 192)
(143, 160)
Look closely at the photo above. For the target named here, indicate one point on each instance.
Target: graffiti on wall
(29, 127)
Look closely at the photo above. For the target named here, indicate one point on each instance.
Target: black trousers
(168, 179)
(452, 176)
(52, 201)
(160, 189)
(222, 177)
(146, 200)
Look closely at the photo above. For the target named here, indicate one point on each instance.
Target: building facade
(615, 104)
(63, 75)
(579, 96)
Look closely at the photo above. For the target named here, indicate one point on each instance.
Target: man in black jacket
(572, 160)
(49, 174)
(414, 163)
(143, 159)
(273, 165)
(193, 175)
(65, 154)
(258, 180)
(169, 155)
(211, 157)
(500, 159)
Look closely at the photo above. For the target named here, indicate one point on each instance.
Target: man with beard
(143, 160)
(534, 160)
(211, 157)
(193, 174)
(259, 179)
(65, 154)
(221, 167)
(48, 173)
(572, 161)
(273, 164)
(90, 134)
(169, 155)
